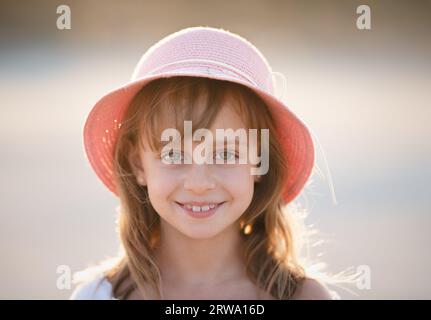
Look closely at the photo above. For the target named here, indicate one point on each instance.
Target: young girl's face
(172, 185)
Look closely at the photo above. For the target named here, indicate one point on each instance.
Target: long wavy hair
(267, 226)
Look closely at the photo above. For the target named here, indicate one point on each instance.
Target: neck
(184, 261)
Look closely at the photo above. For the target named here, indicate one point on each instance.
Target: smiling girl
(200, 230)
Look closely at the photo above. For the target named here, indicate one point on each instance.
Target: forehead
(226, 116)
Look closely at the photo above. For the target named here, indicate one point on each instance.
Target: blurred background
(365, 93)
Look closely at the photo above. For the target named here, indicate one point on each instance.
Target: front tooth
(205, 208)
(196, 209)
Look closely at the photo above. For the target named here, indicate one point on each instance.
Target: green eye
(226, 155)
(172, 157)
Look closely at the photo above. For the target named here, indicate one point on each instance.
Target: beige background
(365, 94)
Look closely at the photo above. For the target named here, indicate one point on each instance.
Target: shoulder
(91, 283)
(312, 289)
(97, 288)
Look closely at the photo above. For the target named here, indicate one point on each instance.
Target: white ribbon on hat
(280, 85)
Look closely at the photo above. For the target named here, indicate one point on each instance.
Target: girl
(200, 230)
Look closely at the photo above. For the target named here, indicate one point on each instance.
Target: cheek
(238, 182)
(161, 184)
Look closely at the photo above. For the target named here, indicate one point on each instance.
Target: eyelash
(224, 151)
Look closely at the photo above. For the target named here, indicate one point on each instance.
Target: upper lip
(199, 203)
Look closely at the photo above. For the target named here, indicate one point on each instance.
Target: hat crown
(205, 50)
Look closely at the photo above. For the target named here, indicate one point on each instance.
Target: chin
(201, 234)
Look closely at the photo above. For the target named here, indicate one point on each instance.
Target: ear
(137, 167)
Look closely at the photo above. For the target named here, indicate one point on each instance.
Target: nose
(199, 179)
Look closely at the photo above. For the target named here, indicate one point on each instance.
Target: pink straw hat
(200, 52)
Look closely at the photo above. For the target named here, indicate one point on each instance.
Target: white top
(98, 288)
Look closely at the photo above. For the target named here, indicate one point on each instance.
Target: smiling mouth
(200, 207)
